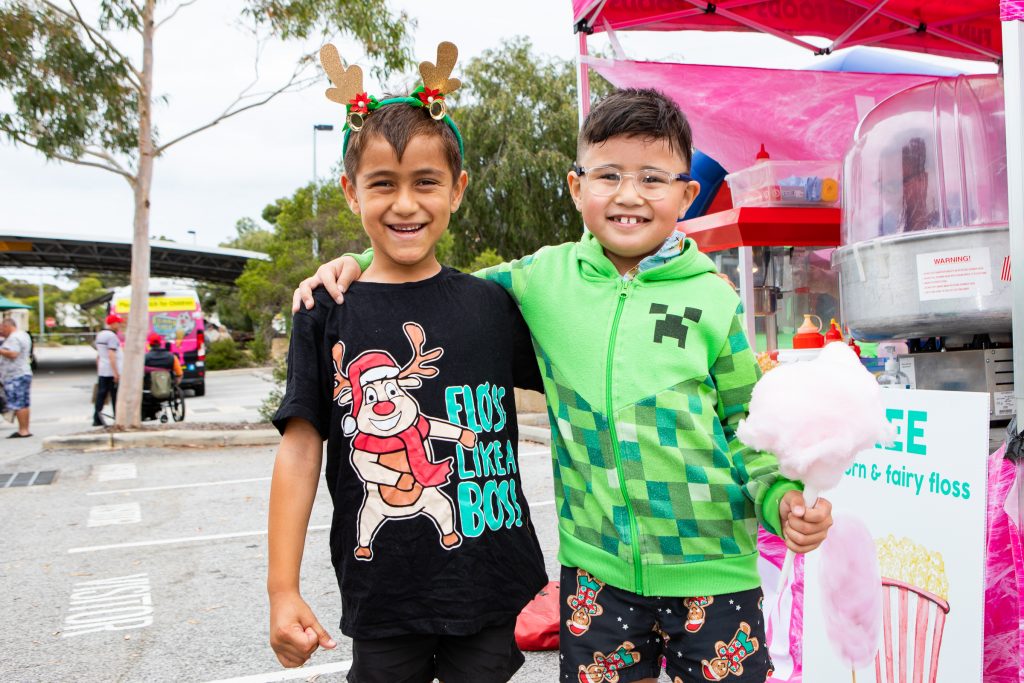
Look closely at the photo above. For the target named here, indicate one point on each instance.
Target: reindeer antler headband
(348, 89)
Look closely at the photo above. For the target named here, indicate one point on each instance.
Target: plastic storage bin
(786, 183)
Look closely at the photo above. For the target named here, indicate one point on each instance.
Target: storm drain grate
(39, 478)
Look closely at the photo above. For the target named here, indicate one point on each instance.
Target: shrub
(224, 354)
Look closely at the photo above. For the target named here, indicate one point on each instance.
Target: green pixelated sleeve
(364, 260)
(513, 276)
(735, 372)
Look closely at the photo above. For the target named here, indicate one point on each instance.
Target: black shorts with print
(608, 635)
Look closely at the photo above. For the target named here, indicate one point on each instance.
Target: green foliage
(485, 259)
(225, 354)
(88, 289)
(370, 22)
(69, 91)
(265, 287)
(518, 116)
(273, 400)
(75, 94)
(259, 348)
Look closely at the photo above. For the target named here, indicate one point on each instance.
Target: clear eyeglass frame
(650, 183)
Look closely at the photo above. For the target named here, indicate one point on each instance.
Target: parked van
(176, 315)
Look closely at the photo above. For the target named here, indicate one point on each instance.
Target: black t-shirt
(431, 532)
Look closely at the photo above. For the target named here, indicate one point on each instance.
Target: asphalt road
(149, 565)
(62, 395)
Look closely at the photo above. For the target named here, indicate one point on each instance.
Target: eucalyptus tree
(80, 95)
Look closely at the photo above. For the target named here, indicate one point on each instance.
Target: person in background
(159, 357)
(108, 367)
(16, 374)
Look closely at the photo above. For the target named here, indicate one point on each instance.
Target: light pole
(193, 233)
(316, 128)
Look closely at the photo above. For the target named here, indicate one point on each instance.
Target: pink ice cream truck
(176, 315)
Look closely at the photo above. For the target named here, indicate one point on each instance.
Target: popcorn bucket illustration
(909, 655)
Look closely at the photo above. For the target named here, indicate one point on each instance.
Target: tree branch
(294, 83)
(177, 9)
(71, 160)
(106, 48)
(100, 154)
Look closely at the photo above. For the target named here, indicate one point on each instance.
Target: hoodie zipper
(613, 435)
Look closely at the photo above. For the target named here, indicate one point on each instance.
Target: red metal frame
(757, 226)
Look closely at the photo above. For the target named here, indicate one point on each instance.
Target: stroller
(162, 398)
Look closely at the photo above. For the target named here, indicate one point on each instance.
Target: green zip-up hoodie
(646, 380)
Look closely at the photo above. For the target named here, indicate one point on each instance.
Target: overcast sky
(203, 59)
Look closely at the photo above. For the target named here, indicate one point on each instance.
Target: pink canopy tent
(796, 114)
(990, 30)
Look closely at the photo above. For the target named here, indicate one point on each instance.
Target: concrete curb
(184, 438)
(177, 438)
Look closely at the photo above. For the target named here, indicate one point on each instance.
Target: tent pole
(1013, 90)
(582, 78)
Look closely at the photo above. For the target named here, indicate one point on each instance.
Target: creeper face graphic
(672, 325)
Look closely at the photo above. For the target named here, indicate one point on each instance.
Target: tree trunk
(129, 394)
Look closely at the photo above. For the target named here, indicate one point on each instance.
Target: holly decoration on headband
(348, 89)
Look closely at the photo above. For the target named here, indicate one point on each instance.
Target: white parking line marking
(114, 604)
(178, 486)
(306, 672)
(116, 471)
(119, 513)
(185, 539)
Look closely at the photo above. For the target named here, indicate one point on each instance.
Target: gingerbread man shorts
(608, 635)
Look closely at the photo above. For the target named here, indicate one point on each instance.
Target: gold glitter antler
(438, 77)
(347, 82)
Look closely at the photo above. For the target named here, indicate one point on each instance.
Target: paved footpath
(150, 565)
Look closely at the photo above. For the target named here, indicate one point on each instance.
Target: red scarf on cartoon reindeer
(412, 439)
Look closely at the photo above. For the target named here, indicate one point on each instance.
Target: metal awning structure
(169, 259)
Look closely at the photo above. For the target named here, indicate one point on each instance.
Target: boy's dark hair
(642, 112)
(397, 124)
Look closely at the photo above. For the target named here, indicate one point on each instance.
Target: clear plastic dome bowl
(930, 157)
(925, 222)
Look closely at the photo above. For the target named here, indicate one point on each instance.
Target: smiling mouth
(406, 228)
(628, 220)
(385, 425)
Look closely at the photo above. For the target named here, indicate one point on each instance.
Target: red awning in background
(968, 29)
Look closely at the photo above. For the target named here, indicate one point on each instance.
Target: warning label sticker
(954, 274)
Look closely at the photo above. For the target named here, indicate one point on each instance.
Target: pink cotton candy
(815, 416)
(851, 592)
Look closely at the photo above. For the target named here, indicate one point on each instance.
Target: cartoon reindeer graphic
(391, 449)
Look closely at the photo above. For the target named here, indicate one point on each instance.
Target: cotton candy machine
(926, 240)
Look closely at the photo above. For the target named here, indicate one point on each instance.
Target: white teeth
(627, 220)
(407, 228)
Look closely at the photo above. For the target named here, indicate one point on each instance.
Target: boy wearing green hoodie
(647, 372)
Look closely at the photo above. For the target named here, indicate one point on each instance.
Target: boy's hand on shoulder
(334, 276)
(804, 528)
(295, 632)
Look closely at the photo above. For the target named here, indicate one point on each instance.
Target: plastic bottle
(808, 335)
(762, 154)
(892, 378)
(833, 333)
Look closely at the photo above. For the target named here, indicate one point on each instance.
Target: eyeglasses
(650, 183)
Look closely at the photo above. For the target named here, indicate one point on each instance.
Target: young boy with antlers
(411, 385)
(647, 373)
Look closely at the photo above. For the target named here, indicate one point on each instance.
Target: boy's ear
(574, 188)
(692, 190)
(459, 190)
(349, 188)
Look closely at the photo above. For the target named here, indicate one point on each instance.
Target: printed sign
(163, 303)
(923, 500)
(954, 274)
